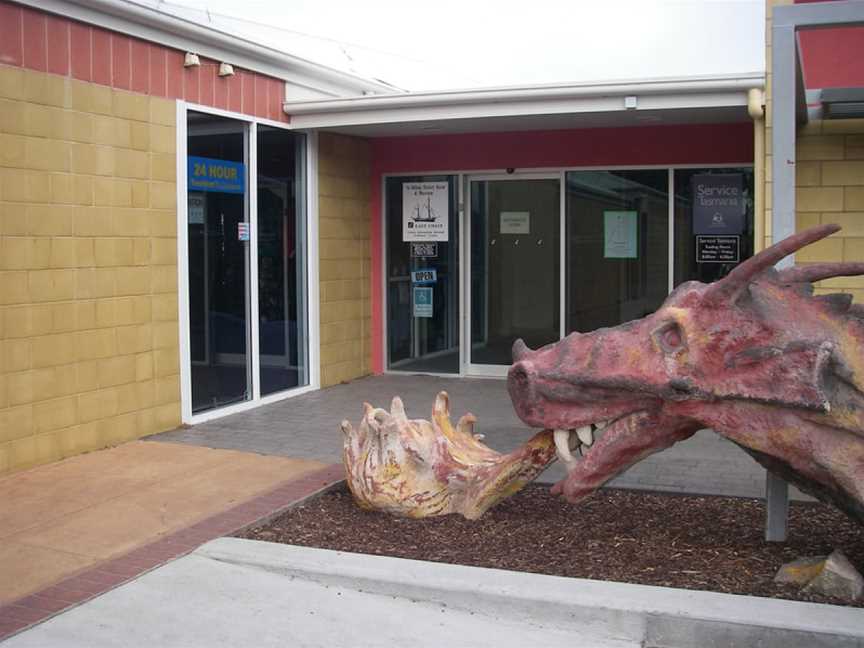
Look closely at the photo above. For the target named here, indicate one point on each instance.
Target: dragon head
(755, 356)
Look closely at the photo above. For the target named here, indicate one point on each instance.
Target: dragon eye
(670, 337)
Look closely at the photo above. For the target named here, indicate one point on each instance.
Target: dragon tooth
(586, 436)
(562, 445)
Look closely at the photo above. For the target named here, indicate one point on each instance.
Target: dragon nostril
(520, 380)
(681, 386)
(520, 373)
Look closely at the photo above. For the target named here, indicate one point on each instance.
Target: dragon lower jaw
(621, 444)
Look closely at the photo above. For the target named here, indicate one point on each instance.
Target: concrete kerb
(656, 617)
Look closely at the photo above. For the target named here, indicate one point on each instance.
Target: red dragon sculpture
(755, 356)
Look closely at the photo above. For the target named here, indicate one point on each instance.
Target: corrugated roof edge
(148, 23)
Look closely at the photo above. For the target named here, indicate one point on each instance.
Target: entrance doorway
(244, 325)
(513, 267)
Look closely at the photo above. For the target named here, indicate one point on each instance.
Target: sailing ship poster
(425, 212)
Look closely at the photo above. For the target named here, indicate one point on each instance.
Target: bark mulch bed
(703, 543)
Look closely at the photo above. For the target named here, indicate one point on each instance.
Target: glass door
(218, 261)
(422, 234)
(513, 268)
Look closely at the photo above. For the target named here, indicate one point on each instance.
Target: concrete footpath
(234, 592)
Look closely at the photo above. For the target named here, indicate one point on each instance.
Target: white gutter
(604, 96)
(173, 31)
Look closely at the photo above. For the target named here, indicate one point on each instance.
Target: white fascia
(173, 31)
(606, 96)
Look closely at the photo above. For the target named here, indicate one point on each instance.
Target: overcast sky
(459, 43)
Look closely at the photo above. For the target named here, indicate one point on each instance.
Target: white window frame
(464, 176)
(312, 290)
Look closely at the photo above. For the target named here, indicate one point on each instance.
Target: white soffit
(689, 100)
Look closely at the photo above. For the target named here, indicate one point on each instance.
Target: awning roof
(714, 99)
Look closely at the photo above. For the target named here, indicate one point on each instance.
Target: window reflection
(617, 246)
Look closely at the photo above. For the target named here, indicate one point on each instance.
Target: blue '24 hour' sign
(208, 174)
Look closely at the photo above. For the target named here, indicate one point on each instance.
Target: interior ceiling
(616, 119)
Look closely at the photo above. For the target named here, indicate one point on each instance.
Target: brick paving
(307, 427)
(19, 614)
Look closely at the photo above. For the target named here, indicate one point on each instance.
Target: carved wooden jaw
(418, 468)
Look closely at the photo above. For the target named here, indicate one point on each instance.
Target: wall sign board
(620, 234)
(208, 174)
(718, 249)
(422, 301)
(718, 203)
(425, 211)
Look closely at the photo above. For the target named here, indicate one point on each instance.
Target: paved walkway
(307, 427)
(59, 519)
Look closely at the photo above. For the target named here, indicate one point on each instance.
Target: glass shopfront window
(539, 266)
(281, 259)
(247, 332)
(218, 261)
(422, 274)
(617, 246)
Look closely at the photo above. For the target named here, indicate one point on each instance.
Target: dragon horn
(819, 271)
(730, 287)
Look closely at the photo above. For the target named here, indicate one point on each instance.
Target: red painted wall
(648, 145)
(40, 41)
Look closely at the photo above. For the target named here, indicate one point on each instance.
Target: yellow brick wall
(88, 267)
(829, 185)
(830, 189)
(345, 262)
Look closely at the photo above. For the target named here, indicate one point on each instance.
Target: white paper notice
(425, 211)
(513, 222)
(196, 208)
(620, 234)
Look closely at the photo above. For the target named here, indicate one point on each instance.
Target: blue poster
(224, 176)
(422, 302)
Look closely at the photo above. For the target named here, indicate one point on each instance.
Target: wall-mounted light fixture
(630, 103)
(191, 60)
(226, 70)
